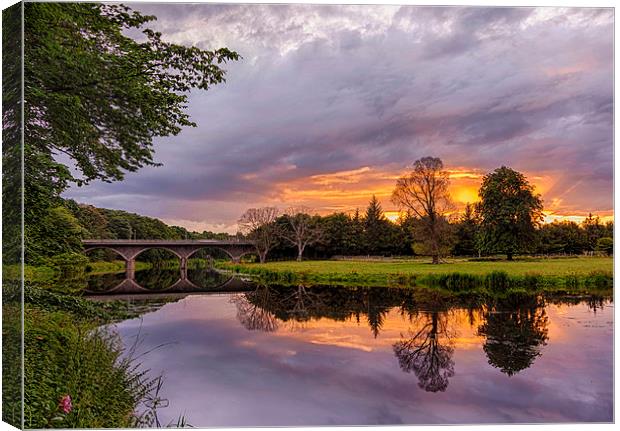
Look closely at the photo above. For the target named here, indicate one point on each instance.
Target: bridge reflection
(155, 281)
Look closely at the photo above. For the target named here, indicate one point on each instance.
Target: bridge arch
(158, 247)
(105, 247)
(233, 257)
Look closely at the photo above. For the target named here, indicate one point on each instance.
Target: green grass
(67, 353)
(559, 266)
(564, 272)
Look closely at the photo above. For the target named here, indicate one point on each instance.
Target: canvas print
(226, 215)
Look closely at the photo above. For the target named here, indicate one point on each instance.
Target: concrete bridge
(129, 249)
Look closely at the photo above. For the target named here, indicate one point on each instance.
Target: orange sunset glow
(349, 190)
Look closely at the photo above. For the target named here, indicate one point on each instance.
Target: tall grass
(69, 353)
(68, 356)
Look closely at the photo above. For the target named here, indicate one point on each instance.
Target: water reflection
(157, 279)
(514, 326)
(424, 353)
(322, 355)
(515, 329)
(253, 310)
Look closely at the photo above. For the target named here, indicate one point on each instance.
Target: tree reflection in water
(425, 355)
(428, 350)
(514, 325)
(253, 310)
(515, 329)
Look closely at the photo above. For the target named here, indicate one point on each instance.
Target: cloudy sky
(331, 103)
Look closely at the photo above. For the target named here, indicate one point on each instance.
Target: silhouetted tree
(377, 229)
(594, 230)
(424, 191)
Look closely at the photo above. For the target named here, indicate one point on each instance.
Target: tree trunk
(509, 256)
(299, 253)
(262, 256)
(435, 259)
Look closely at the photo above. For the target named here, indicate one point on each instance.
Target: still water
(274, 355)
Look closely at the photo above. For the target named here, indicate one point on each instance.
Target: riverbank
(456, 274)
(76, 372)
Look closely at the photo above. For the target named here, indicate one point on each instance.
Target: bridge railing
(167, 241)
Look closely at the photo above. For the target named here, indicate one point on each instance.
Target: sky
(331, 104)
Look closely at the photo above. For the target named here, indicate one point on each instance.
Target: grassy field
(558, 266)
(549, 271)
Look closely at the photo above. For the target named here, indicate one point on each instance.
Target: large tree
(301, 229)
(95, 97)
(98, 96)
(259, 224)
(424, 192)
(510, 213)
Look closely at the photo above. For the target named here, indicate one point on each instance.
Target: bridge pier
(183, 268)
(130, 269)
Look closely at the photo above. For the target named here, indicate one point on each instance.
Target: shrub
(531, 281)
(599, 280)
(497, 281)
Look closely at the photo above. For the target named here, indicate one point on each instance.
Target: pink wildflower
(65, 405)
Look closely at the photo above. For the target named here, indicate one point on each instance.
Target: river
(239, 354)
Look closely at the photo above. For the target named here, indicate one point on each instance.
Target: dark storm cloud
(323, 89)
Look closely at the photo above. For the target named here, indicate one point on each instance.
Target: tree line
(344, 234)
(507, 220)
